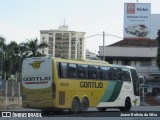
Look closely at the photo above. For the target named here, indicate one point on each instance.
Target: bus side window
(125, 75)
(59, 69)
(82, 71)
(93, 72)
(72, 70)
(114, 74)
(64, 70)
(119, 73)
(104, 73)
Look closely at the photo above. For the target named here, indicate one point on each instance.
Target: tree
(158, 50)
(32, 47)
(12, 54)
(2, 47)
(12, 59)
(2, 41)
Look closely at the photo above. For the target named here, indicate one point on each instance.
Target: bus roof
(96, 62)
(82, 61)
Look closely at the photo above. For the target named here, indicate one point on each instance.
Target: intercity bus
(76, 85)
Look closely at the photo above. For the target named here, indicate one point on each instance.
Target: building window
(50, 52)
(144, 63)
(58, 36)
(50, 33)
(66, 43)
(65, 36)
(73, 48)
(73, 43)
(72, 52)
(126, 62)
(110, 61)
(117, 62)
(72, 56)
(135, 62)
(73, 39)
(50, 38)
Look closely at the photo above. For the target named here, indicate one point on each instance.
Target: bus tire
(75, 105)
(127, 105)
(84, 104)
(101, 109)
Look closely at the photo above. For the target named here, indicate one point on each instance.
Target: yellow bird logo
(36, 64)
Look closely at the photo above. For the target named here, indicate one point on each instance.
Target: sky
(22, 20)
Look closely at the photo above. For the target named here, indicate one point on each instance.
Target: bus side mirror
(141, 80)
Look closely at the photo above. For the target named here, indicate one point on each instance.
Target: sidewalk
(12, 103)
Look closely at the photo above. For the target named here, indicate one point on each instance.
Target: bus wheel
(84, 105)
(101, 109)
(75, 105)
(127, 105)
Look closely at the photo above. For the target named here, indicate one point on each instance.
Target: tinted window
(120, 74)
(125, 74)
(114, 74)
(93, 72)
(72, 71)
(82, 71)
(143, 26)
(64, 73)
(58, 69)
(104, 73)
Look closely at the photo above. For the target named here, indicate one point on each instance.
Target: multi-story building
(63, 43)
(91, 55)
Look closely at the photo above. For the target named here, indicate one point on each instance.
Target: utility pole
(103, 46)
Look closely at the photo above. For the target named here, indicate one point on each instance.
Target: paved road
(93, 114)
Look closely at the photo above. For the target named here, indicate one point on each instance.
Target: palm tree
(32, 47)
(11, 62)
(12, 59)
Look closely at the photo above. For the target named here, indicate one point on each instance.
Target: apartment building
(63, 43)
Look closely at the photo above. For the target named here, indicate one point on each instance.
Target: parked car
(138, 30)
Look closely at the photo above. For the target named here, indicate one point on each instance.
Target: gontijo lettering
(36, 80)
(91, 84)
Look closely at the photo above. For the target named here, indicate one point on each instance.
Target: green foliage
(13, 54)
(33, 46)
(158, 50)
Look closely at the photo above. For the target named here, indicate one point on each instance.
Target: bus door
(135, 82)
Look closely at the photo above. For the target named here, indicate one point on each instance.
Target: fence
(10, 95)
